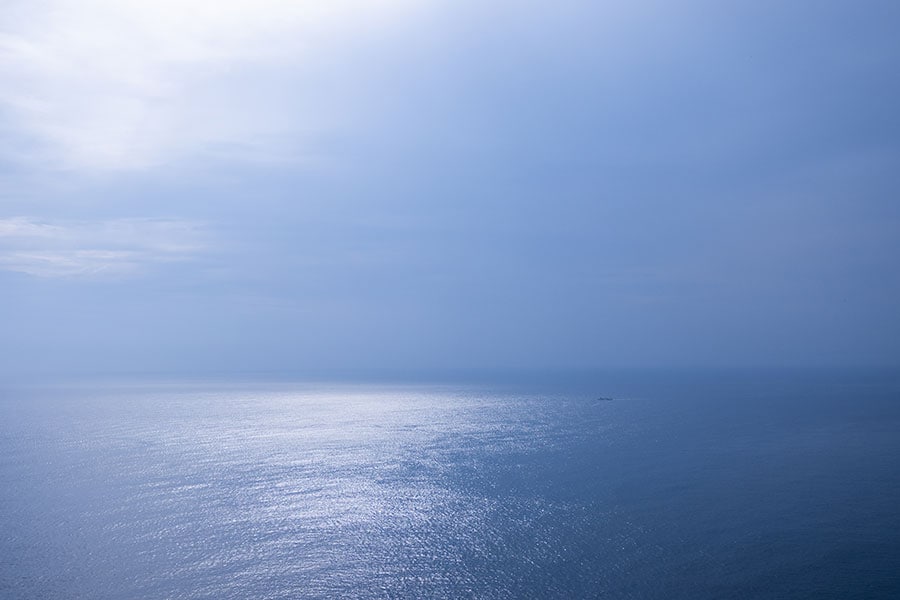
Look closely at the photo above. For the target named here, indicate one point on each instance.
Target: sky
(198, 186)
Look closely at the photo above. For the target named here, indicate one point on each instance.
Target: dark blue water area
(590, 484)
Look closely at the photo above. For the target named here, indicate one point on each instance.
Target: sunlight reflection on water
(379, 492)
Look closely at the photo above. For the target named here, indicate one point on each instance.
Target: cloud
(113, 248)
(130, 84)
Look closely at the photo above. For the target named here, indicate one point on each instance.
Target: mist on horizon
(281, 187)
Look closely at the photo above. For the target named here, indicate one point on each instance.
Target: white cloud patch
(129, 84)
(113, 248)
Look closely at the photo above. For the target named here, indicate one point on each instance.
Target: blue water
(684, 485)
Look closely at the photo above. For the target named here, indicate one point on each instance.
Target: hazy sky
(240, 185)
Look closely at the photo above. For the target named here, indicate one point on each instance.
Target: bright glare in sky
(121, 84)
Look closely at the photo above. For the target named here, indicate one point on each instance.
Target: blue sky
(193, 186)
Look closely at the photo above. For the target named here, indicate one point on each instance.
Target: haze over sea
(385, 191)
(617, 484)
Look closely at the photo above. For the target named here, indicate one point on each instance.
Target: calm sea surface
(683, 485)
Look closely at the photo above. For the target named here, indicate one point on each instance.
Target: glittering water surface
(741, 486)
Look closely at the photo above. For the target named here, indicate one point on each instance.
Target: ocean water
(780, 484)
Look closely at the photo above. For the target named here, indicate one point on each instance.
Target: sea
(639, 484)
